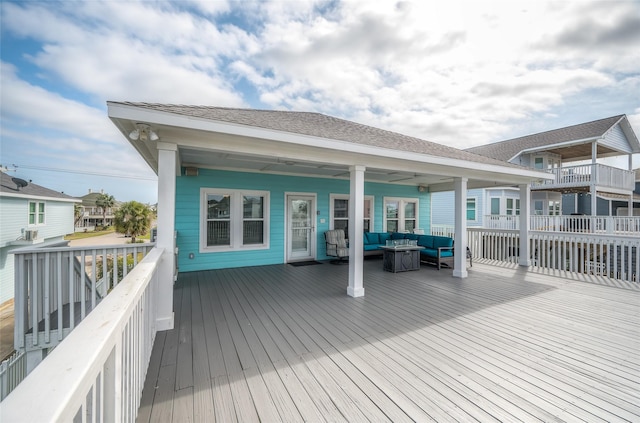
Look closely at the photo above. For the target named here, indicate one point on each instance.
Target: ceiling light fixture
(143, 132)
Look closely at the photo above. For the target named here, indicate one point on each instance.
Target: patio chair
(337, 246)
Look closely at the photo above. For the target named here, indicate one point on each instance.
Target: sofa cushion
(371, 247)
(425, 241)
(397, 235)
(442, 241)
(371, 238)
(383, 237)
(412, 237)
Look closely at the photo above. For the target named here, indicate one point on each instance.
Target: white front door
(301, 230)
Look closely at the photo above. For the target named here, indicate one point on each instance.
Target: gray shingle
(505, 150)
(319, 125)
(8, 186)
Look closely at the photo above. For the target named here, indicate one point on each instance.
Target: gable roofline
(302, 129)
(580, 133)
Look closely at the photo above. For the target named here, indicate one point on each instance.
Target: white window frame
(475, 208)
(236, 220)
(333, 197)
(402, 201)
(36, 217)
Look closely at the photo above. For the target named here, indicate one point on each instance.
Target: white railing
(12, 372)
(495, 221)
(614, 225)
(97, 373)
(443, 230)
(56, 287)
(614, 257)
(584, 175)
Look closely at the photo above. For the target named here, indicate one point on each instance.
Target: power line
(110, 175)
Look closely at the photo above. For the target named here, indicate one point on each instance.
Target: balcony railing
(98, 372)
(602, 255)
(614, 225)
(56, 287)
(583, 175)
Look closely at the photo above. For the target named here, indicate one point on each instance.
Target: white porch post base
(460, 273)
(165, 323)
(355, 292)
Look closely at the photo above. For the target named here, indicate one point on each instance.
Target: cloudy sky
(461, 73)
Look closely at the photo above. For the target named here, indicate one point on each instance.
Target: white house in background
(92, 213)
(582, 184)
(29, 214)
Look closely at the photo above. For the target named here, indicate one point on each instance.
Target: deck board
(285, 343)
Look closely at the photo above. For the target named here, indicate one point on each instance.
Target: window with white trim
(234, 219)
(36, 213)
(471, 209)
(339, 212)
(510, 206)
(400, 214)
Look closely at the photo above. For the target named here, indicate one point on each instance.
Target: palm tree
(133, 218)
(77, 213)
(105, 201)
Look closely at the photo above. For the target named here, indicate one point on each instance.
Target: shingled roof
(319, 125)
(8, 186)
(506, 150)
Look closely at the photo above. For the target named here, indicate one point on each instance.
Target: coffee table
(400, 258)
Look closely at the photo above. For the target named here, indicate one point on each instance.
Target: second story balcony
(583, 176)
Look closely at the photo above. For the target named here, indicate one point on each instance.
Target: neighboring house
(29, 214)
(573, 155)
(245, 187)
(92, 213)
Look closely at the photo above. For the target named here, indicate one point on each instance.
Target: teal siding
(188, 213)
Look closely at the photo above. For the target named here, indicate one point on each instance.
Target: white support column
(356, 231)
(594, 178)
(525, 218)
(167, 162)
(460, 245)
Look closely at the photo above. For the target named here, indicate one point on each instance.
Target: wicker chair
(337, 246)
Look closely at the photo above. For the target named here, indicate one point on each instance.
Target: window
(538, 163)
(339, 211)
(495, 206)
(510, 206)
(234, 219)
(36, 213)
(471, 209)
(401, 214)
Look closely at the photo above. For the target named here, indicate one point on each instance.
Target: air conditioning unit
(30, 235)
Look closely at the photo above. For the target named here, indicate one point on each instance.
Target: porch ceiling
(296, 167)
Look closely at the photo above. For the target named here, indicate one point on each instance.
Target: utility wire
(111, 175)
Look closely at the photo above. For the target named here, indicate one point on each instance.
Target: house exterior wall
(443, 208)
(14, 218)
(188, 197)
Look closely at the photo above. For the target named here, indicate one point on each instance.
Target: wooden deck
(285, 343)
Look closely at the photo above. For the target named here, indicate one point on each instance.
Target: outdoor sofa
(437, 250)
